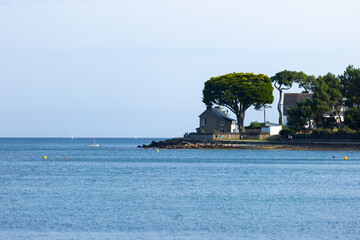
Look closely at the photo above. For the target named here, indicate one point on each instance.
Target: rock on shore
(186, 143)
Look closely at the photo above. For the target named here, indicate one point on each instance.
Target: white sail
(94, 144)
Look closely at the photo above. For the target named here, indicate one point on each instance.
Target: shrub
(352, 118)
(287, 132)
(346, 129)
(255, 125)
(320, 131)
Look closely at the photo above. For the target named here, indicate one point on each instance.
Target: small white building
(271, 128)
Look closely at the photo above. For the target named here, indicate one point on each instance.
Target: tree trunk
(334, 116)
(339, 116)
(279, 108)
(264, 115)
(240, 121)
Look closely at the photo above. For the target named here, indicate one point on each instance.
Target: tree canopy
(301, 116)
(327, 98)
(350, 82)
(306, 82)
(238, 91)
(283, 81)
(331, 95)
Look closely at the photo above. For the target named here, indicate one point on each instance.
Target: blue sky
(120, 68)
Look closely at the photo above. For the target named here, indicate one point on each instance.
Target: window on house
(221, 130)
(222, 123)
(203, 122)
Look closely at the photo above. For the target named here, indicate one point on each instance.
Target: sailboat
(94, 144)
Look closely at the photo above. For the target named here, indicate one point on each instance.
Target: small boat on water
(94, 144)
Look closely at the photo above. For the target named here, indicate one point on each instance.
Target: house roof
(268, 124)
(291, 98)
(221, 115)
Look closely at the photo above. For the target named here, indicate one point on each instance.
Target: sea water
(118, 191)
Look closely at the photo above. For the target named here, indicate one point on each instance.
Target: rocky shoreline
(187, 143)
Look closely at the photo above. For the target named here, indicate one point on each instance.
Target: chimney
(209, 106)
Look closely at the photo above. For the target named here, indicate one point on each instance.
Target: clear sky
(120, 68)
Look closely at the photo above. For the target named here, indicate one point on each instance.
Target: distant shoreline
(188, 143)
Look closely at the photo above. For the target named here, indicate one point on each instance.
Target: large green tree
(307, 82)
(283, 81)
(238, 91)
(301, 116)
(327, 98)
(350, 82)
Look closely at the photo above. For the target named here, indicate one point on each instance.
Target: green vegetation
(283, 81)
(352, 119)
(306, 82)
(255, 125)
(202, 130)
(334, 107)
(332, 95)
(350, 82)
(237, 92)
(287, 132)
(300, 116)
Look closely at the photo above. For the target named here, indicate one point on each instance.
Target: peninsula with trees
(326, 115)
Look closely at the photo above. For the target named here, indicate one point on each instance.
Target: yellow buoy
(59, 157)
(158, 150)
(8, 157)
(345, 158)
(139, 157)
(45, 157)
(80, 156)
(24, 157)
(174, 157)
(278, 157)
(105, 157)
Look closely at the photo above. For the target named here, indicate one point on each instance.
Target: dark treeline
(335, 102)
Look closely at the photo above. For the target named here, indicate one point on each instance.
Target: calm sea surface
(117, 191)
